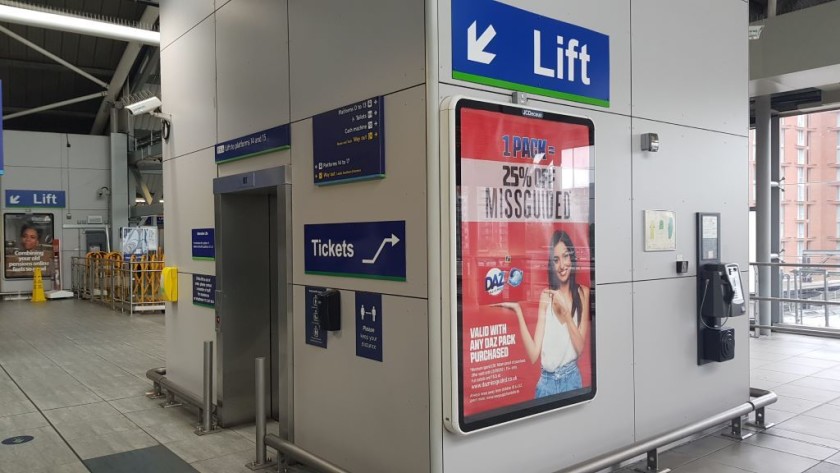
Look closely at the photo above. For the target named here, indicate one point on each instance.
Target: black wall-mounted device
(327, 309)
(720, 294)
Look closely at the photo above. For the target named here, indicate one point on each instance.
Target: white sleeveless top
(557, 349)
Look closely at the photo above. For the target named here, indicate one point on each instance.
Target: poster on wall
(27, 244)
(524, 199)
(138, 241)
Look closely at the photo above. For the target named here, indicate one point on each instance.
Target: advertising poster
(27, 244)
(525, 260)
(138, 241)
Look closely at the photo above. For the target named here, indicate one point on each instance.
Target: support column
(775, 208)
(119, 187)
(762, 206)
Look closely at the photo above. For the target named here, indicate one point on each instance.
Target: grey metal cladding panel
(187, 327)
(188, 80)
(89, 152)
(690, 64)
(84, 186)
(559, 439)
(401, 195)
(23, 148)
(343, 52)
(33, 178)
(612, 182)
(259, 179)
(360, 414)
(671, 390)
(614, 23)
(179, 16)
(694, 171)
(252, 67)
(188, 186)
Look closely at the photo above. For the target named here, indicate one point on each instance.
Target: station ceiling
(31, 79)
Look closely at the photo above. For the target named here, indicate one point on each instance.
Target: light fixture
(161, 201)
(139, 200)
(72, 24)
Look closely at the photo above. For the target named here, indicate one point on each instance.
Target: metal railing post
(825, 296)
(261, 461)
(207, 425)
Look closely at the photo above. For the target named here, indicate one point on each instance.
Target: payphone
(720, 294)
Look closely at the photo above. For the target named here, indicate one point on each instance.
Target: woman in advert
(30, 237)
(562, 322)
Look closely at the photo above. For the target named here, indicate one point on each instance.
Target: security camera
(144, 106)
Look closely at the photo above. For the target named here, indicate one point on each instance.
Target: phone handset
(733, 277)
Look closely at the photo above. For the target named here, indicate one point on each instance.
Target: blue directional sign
(369, 325)
(204, 244)
(371, 250)
(35, 198)
(255, 144)
(348, 143)
(503, 46)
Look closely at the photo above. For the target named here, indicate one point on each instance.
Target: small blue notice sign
(18, 440)
(255, 144)
(369, 325)
(315, 335)
(35, 198)
(348, 143)
(204, 244)
(370, 250)
(204, 290)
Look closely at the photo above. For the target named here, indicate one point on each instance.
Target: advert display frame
(45, 245)
(456, 419)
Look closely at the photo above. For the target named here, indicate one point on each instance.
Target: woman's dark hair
(553, 280)
(29, 226)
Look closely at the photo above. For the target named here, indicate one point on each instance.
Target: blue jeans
(566, 378)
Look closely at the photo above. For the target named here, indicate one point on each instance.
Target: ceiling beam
(19, 64)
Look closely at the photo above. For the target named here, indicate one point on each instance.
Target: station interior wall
(79, 165)
(231, 68)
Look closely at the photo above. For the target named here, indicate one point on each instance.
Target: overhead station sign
(370, 250)
(255, 144)
(502, 46)
(348, 143)
(35, 198)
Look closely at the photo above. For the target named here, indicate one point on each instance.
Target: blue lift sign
(503, 46)
(371, 250)
(35, 198)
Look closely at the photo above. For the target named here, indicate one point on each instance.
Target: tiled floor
(72, 375)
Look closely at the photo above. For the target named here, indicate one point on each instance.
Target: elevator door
(247, 301)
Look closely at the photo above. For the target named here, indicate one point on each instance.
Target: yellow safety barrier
(109, 278)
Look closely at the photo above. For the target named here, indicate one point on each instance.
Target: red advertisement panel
(525, 233)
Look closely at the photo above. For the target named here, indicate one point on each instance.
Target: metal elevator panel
(253, 271)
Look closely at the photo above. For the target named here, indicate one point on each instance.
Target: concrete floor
(72, 376)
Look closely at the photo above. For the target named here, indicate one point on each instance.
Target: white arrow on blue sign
(35, 198)
(503, 46)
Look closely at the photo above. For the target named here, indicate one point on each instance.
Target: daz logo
(516, 276)
(494, 282)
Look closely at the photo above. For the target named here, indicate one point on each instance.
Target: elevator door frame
(230, 366)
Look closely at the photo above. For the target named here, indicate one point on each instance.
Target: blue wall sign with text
(204, 243)
(248, 146)
(35, 198)
(503, 46)
(348, 143)
(369, 325)
(371, 250)
(315, 335)
(204, 290)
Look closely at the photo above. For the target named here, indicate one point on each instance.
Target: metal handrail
(763, 398)
(797, 265)
(786, 299)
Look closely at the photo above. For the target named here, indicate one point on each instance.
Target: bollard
(261, 461)
(207, 426)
